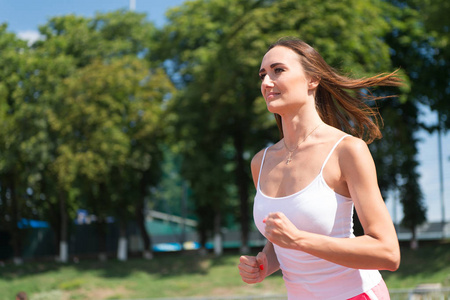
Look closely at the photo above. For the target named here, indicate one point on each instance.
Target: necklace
(289, 159)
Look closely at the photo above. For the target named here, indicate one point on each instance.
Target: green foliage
(109, 111)
(83, 117)
(424, 38)
(16, 168)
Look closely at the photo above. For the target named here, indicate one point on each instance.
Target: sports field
(186, 275)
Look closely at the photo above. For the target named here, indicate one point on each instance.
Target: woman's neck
(297, 127)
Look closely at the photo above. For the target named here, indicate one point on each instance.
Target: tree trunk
(15, 218)
(122, 249)
(218, 244)
(414, 243)
(242, 184)
(183, 214)
(101, 238)
(101, 224)
(140, 219)
(204, 225)
(203, 239)
(63, 243)
(52, 208)
(146, 238)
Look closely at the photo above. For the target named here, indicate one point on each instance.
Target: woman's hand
(253, 269)
(281, 231)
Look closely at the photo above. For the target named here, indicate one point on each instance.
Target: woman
(308, 183)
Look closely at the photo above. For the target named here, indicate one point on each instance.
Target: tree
(116, 114)
(396, 159)
(82, 112)
(23, 138)
(416, 48)
(434, 77)
(9, 64)
(110, 128)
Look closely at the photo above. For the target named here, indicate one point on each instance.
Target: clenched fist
(253, 269)
(280, 231)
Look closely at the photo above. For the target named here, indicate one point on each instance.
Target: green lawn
(170, 275)
(428, 264)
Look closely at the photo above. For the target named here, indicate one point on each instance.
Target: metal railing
(424, 292)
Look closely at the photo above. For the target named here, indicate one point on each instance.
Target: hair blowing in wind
(340, 100)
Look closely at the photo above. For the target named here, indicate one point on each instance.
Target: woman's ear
(313, 82)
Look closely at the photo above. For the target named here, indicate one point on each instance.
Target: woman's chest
(315, 209)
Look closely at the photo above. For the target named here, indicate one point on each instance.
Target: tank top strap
(331, 152)
(262, 163)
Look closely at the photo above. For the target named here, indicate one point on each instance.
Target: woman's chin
(275, 109)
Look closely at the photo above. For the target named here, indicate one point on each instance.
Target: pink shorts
(379, 292)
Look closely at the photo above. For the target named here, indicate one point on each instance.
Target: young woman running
(309, 182)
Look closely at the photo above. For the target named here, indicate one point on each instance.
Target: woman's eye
(278, 70)
(261, 76)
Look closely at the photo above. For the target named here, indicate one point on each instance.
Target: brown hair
(340, 100)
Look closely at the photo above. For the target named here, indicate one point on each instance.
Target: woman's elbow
(393, 260)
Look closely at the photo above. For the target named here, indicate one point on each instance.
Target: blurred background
(127, 127)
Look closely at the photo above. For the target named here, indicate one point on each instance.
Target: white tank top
(317, 209)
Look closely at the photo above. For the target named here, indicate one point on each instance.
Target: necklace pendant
(289, 158)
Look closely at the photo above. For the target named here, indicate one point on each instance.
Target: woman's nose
(267, 82)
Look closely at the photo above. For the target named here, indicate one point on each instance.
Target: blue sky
(24, 17)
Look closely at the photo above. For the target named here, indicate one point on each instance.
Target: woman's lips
(271, 95)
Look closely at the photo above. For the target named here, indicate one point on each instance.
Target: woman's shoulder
(352, 143)
(257, 158)
(256, 165)
(346, 142)
(347, 146)
(353, 151)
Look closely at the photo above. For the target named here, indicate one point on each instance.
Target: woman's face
(284, 83)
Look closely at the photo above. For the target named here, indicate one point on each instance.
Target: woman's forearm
(377, 249)
(273, 264)
(363, 252)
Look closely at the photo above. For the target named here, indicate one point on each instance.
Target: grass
(175, 275)
(429, 264)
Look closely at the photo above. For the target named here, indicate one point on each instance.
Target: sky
(24, 16)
